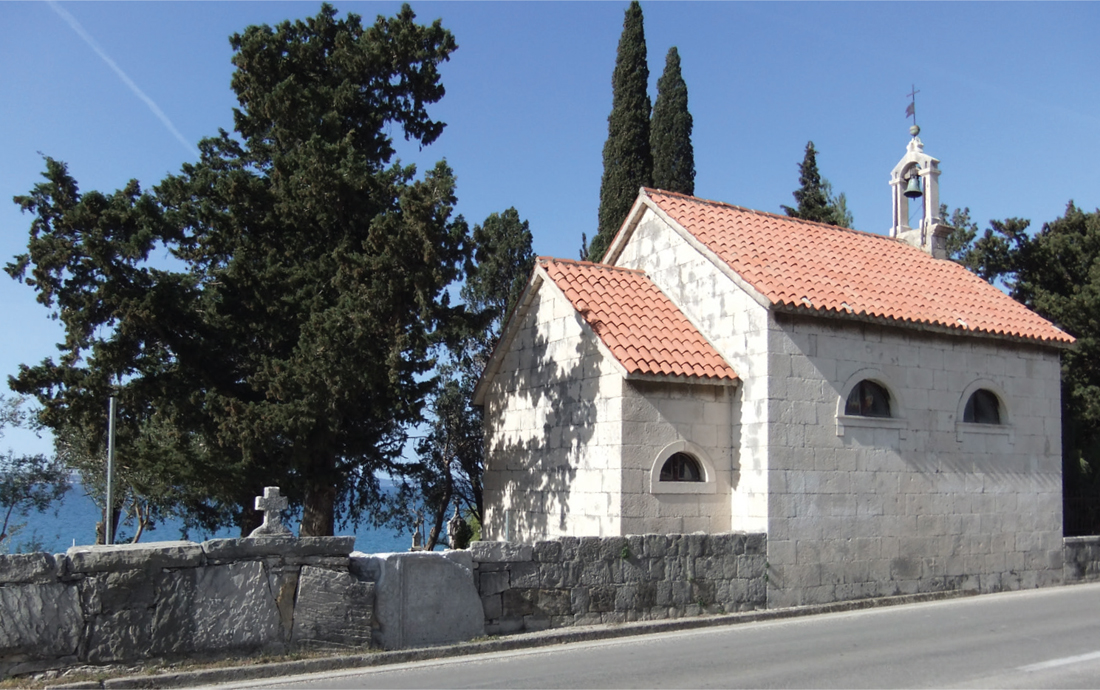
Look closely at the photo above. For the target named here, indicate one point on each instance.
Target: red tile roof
(641, 326)
(801, 264)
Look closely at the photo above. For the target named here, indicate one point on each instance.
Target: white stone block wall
(920, 503)
(553, 430)
(657, 419)
(738, 328)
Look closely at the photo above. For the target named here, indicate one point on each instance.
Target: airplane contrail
(71, 20)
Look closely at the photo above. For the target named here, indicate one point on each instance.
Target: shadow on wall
(537, 466)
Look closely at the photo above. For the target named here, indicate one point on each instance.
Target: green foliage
(963, 232)
(1056, 273)
(27, 482)
(294, 348)
(450, 457)
(670, 135)
(627, 159)
(815, 195)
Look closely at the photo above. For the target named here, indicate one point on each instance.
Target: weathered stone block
(165, 554)
(595, 573)
(554, 602)
(756, 544)
(500, 551)
(517, 603)
(634, 570)
(601, 599)
(123, 635)
(681, 593)
(233, 608)
(548, 552)
(625, 597)
(332, 609)
(569, 548)
(20, 568)
(288, 548)
(40, 621)
(656, 545)
(590, 550)
(551, 575)
(425, 599)
(525, 575)
(579, 599)
(492, 583)
(127, 589)
(492, 607)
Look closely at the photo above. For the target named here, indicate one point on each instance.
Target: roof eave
(924, 326)
(689, 380)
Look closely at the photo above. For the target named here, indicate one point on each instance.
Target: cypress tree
(670, 138)
(813, 204)
(815, 195)
(627, 160)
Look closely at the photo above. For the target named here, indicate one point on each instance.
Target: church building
(888, 419)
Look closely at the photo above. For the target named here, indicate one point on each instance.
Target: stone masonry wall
(122, 603)
(589, 580)
(553, 429)
(739, 328)
(919, 501)
(1082, 559)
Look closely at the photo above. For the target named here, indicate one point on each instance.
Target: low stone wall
(101, 604)
(588, 580)
(1081, 559)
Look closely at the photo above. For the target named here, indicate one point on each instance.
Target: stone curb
(504, 644)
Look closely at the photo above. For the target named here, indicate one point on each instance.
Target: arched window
(681, 467)
(983, 407)
(868, 399)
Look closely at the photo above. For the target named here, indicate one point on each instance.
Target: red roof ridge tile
(589, 264)
(777, 216)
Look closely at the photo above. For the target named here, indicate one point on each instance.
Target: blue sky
(1008, 102)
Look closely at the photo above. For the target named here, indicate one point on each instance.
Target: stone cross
(272, 503)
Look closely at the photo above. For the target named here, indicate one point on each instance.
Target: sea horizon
(72, 522)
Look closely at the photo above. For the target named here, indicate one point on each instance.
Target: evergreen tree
(451, 461)
(814, 195)
(627, 160)
(673, 155)
(1054, 273)
(294, 347)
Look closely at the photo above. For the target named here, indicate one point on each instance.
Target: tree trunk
(319, 512)
(438, 514)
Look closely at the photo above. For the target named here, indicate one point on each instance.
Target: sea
(72, 522)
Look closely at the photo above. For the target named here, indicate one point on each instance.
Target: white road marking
(1064, 661)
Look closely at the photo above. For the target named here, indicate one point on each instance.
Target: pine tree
(293, 346)
(812, 199)
(670, 138)
(627, 159)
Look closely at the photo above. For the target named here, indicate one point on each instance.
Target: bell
(913, 191)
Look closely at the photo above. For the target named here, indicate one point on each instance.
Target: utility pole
(108, 519)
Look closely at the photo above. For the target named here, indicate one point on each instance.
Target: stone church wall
(738, 327)
(570, 581)
(553, 430)
(179, 599)
(658, 419)
(920, 502)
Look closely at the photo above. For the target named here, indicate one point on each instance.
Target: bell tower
(916, 178)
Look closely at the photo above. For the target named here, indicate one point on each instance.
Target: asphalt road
(1046, 638)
